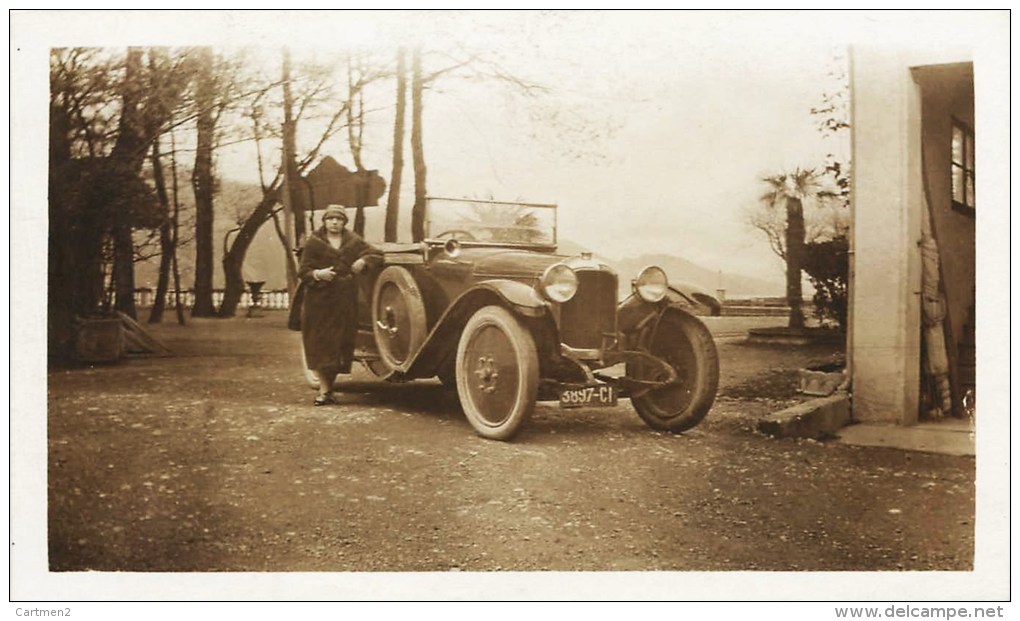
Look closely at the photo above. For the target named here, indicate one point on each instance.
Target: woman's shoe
(325, 400)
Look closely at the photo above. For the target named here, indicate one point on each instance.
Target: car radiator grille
(591, 313)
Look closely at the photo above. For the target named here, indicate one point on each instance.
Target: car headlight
(651, 284)
(452, 248)
(559, 283)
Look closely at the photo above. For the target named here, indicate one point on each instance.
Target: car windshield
(491, 222)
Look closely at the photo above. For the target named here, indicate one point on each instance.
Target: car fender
(521, 298)
(686, 295)
(518, 298)
(634, 313)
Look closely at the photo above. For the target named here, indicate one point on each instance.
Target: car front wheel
(686, 345)
(497, 373)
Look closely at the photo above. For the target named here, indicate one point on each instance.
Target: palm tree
(790, 190)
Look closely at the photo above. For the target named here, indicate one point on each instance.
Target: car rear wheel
(376, 367)
(497, 373)
(686, 344)
(398, 316)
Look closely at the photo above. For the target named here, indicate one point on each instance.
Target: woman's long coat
(329, 309)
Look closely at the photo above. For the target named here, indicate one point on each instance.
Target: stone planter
(99, 340)
(821, 381)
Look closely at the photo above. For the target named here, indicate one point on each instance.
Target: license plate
(589, 396)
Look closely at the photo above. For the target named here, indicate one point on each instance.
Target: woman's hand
(327, 274)
(358, 266)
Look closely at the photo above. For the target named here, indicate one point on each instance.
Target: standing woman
(329, 313)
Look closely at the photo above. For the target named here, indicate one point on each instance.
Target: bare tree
(202, 181)
(291, 173)
(233, 257)
(393, 197)
(833, 122)
(357, 71)
(293, 199)
(81, 81)
(107, 107)
(175, 231)
(458, 63)
(126, 160)
(417, 148)
(148, 109)
(310, 92)
(165, 237)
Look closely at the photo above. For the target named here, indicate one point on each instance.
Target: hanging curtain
(933, 315)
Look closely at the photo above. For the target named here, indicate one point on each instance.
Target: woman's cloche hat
(335, 211)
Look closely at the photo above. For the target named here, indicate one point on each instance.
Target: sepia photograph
(513, 305)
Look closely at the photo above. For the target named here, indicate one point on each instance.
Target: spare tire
(398, 316)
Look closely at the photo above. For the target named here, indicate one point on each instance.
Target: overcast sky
(696, 115)
(691, 108)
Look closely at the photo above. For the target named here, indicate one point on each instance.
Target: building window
(963, 167)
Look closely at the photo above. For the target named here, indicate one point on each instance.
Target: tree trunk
(294, 213)
(124, 270)
(166, 242)
(289, 256)
(126, 159)
(359, 217)
(202, 183)
(355, 134)
(417, 151)
(393, 197)
(63, 282)
(290, 154)
(86, 241)
(233, 259)
(175, 230)
(794, 260)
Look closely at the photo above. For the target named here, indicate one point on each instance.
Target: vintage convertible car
(486, 304)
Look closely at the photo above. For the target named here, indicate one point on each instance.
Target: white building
(914, 202)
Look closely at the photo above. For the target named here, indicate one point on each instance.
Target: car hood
(507, 263)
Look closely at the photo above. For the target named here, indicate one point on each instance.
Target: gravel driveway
(214, 459)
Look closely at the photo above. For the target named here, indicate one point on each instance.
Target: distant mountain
(679, 269)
